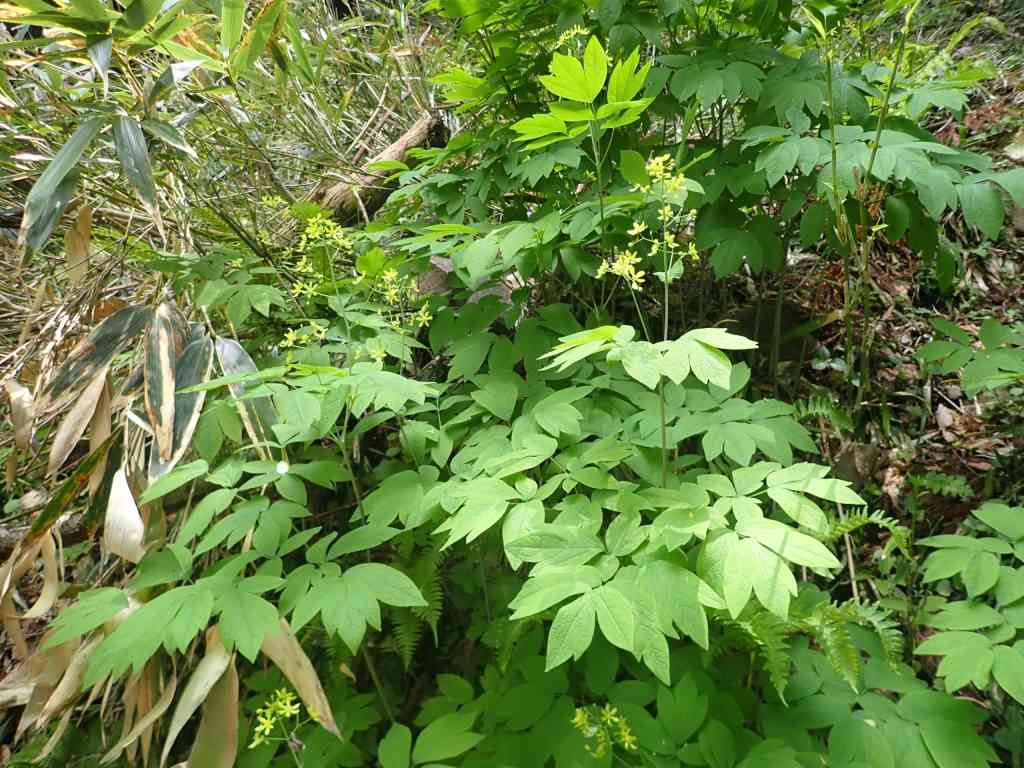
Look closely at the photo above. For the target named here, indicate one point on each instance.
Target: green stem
(598, 162)
(377, 683)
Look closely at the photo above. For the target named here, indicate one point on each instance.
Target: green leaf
(173, 480)
(232, 14)
(265, 27)
(202, 515)
(1008, 670)
(389, 585)
(133, 153)
(245, 620)
(614, 616)
(361, 539)
(633, 168)
(788, 542)
(571, 631)
(92, 609)
(626, 82)
(41, 199)
(446, 737)
(1007, 520)
(575, 80)
(981, 574)
(966, 615)
(394, 748)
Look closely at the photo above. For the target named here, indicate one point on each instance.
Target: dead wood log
(363, 193)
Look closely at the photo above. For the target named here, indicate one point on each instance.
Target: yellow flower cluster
(661, 170)
(624, 265)
(603, 728)
(281, 707)
(423, 317)
(315, 331)
(305, 288)
(570, 34)
(321, 230)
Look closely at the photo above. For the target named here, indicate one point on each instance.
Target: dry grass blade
(51, 581)
(209, 670)
(70, 686)
(144, 723)
(159, 379)
(22, 413)
(283, 648)
(44, 669)
(12, 627)
(73, 426)
(76, 246)
(99, 430)
(216, 744)
(123, 529)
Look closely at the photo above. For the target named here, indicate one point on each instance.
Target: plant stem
(376, 682)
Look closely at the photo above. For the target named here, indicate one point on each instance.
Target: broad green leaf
(446, 737)
(788, 542)
(1008, 670)
(245, 620)
(633, 168)
(173, 480)
(614, 616)
(571, 632)
(575, 80)
(395, 748)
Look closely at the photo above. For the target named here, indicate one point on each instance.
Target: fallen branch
(364, 192)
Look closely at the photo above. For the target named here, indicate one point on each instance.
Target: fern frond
(855, 521)
(888, 631)
(768, 636)
(821, 405)
(831, 627)
(941, 484)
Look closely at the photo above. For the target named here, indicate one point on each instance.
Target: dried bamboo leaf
(216, 744)
(283, 648)
(123, 529)
(74, 424)
(55, 737)
(76, 246)
(159, 376)
(99, 430)
(143, 723)
(92, 353)
(70, 686)
(22, 412)
(12, 627)
(51, 581)
(142, 708)
(195, 366)
(209, 670)
(16, 687)
(68, 491)
(45, 668)
(257, 413)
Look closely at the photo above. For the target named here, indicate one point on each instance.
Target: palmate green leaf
(91, 610)
(171, 620)
(556, 415)
(572, 631)
(245, 619)
(555, 544)
(42, 198)
(552, 586)
(481, 505)
(614, 616)
(1000, 517)
(575, 80)
(626, 81)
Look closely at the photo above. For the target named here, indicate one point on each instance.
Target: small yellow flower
(423, 317)
(670, 240)
(602, 269)
(609, 714)
(665, 213)
(290, 337)
(378, 354)
(390, 275)
(638, 228)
